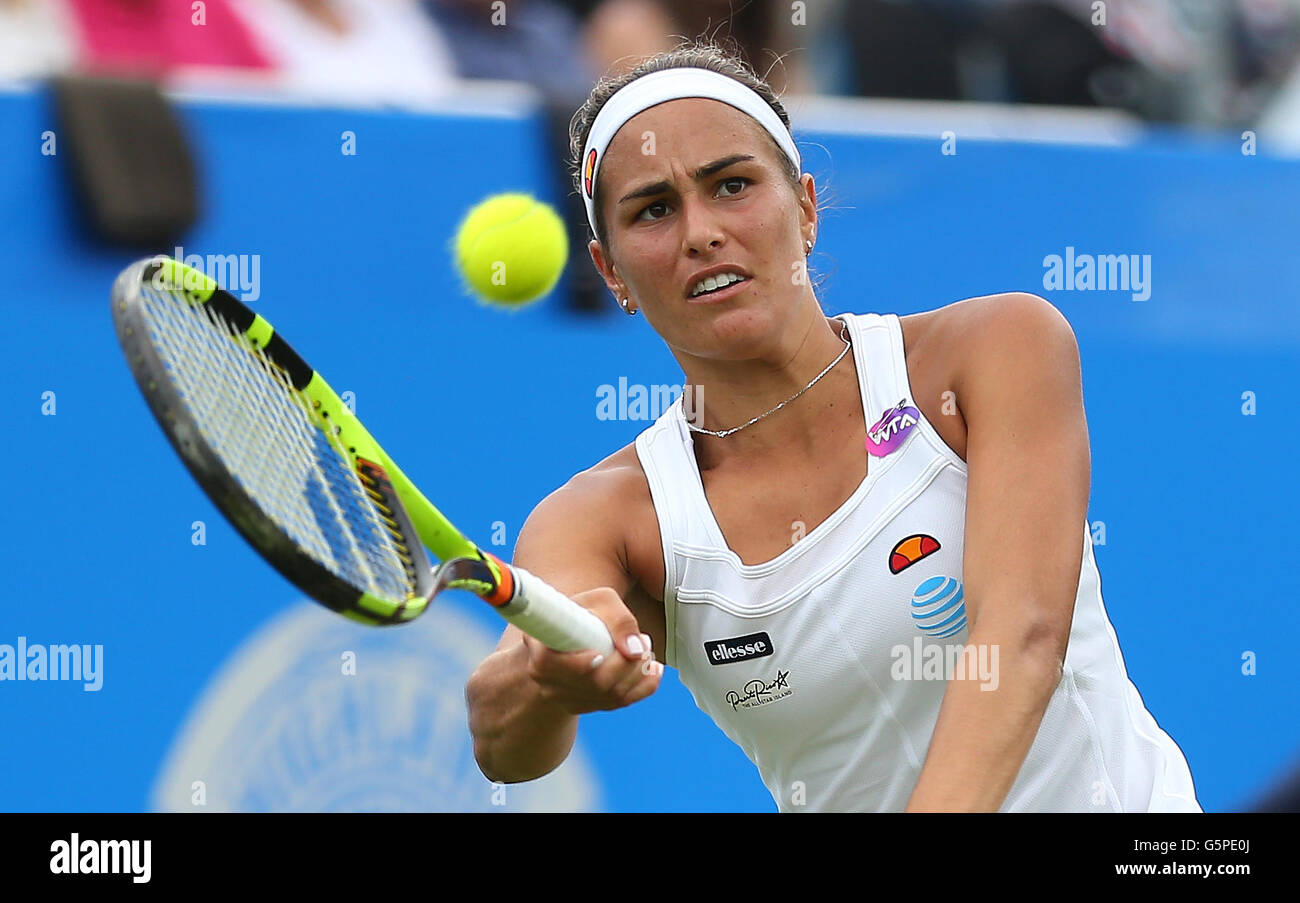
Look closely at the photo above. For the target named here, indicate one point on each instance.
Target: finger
(607, 605)
(614, 676)
(547, 664)
(633, 674)
(652, 673)
(633, 646)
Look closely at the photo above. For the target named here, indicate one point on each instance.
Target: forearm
(518, 734)
(982, 736)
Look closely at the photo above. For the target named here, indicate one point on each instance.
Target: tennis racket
(293, 469)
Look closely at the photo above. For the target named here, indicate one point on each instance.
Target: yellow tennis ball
(511, 249)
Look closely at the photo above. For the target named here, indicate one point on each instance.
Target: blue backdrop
(1196, 497)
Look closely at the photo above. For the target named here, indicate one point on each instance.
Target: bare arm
(1020, 393)
(524, 700)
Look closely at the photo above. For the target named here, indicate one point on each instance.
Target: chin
(736, 333)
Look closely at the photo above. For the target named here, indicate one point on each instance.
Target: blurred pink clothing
(152, 37)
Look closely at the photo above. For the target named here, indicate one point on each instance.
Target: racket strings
(267, 438)
(400, 540)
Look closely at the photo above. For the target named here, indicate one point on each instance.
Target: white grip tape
(543, 612)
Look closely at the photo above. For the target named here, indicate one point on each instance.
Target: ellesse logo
(738, 649)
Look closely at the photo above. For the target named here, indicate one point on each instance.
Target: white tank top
(827, 664)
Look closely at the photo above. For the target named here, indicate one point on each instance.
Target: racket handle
(545, 613)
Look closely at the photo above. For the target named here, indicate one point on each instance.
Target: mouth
(717, 288)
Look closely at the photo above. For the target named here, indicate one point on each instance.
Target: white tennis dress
(827, 664)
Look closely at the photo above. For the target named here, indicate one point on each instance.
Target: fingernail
(634, 645)
(648, 644)
(595, 662)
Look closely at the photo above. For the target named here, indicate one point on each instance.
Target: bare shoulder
(624, 497)
(604, 487)
(600, 529)
(1003, 319)
(1007, 335)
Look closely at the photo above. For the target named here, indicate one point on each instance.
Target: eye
(738, 182)
(656, 205)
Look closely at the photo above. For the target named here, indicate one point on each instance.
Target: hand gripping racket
(292, 468)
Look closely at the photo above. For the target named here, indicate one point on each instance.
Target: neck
(727, 394)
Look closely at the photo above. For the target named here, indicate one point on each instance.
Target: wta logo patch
(890, 430)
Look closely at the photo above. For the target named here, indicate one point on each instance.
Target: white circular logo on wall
(315, 713)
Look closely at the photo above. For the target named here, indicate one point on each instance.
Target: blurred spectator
(533, 41)
(345, 50)
(1053, 54)
(1265, 39)
(621, 32)
(35, 39)
(157, 37)
(1266, 59)
(1211, 63)
(905, 50)
(353, 50)
(1028, 51)
(769, 39)
(1162, 59)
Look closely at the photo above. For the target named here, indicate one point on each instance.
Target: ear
(807, 199)
(612, 280)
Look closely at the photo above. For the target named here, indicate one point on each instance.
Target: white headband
(661, 87)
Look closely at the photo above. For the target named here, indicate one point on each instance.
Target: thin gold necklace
(721, 434)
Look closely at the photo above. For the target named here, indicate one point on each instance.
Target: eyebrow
(703, 172)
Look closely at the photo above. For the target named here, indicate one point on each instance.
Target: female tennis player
(861, 540)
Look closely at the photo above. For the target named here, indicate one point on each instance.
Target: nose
(703, 233)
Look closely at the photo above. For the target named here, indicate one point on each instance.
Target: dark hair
(698, 54)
